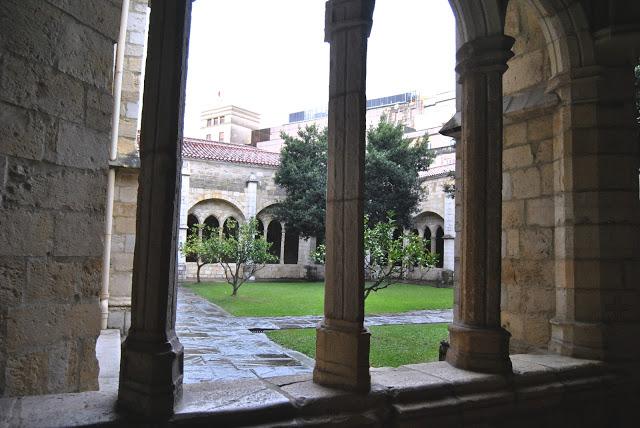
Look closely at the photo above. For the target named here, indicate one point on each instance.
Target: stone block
(517, 157)
(124, 225)
(12, 280)
(122, 209)
(91, 277)
(524, 71)
(512, 243)
(63, 370)
(542, 151)
(102, 16)
(24, 133)
(25, 326)
(99, 110)
(39, 87)
(130, 243)
(128, 194)
(540, 128)
(513, 214)
(81, 147)
(88, 369)
(526, 183)
(547, 179)
(539, 300)
(54, 187)
(78, 234)
(536, 243)
(122, 262)
(25, 233)
(50, 280)
(537, 330)
(27, 373)
(540, 212)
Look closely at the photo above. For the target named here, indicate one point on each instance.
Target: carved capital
(487, 54)
(342, 15)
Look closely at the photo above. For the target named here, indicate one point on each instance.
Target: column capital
(484, 55)
(341, 15)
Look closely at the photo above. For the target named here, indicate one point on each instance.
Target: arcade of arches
(547, 296)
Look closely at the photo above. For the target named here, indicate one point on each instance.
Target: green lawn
(306, 298)
(391, 345)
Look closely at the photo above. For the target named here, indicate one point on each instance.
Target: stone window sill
(412, 392)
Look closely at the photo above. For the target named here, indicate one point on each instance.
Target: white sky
(270, 56)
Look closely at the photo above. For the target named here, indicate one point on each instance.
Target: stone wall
(228, 181)
(528, 288)
(123, 240)
(56, 62)
(123, 233)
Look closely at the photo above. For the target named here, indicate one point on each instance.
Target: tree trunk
(234, 293)
(198, 274)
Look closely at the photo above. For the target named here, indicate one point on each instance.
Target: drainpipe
(113, 154)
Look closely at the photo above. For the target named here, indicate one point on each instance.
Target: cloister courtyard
(268, 329)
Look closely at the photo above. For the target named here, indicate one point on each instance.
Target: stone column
(184, 214)
(449, 233)
(432, 240)
(342, 346)
(478, 342)
(282, 240)
(252, 196)
(152, 357)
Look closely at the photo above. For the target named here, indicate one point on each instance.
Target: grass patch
(263, 299)
(391, 345)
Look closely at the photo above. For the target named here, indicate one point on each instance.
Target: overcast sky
(270, 56)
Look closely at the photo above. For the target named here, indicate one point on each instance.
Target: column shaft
(282, 241)
(342, 347)
(152, 356)
(477, 340)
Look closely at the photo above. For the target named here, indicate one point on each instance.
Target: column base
(484, 350)
(342, 356)
(150, 376)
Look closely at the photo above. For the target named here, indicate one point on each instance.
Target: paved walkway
(219, 346)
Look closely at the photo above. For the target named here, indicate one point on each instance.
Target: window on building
(208, 137)
(215, 120)
(221, 119)
(208, 122)
(221, 136)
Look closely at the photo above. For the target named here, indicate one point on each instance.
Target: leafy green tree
(303, 173)
(198, 245)
(388, 258)
(241, 253)
(391, 176)
(391, 172)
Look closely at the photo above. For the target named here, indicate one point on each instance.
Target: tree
(199, 246)
(391, 176)
(241, 253)
(391, 172)
(303, 173)
(389, 259)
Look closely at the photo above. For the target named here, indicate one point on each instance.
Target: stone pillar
(478, 342)
(282, 241)
(432, 240)
(252, 195)
(449, 233)
(152, 357)
(342, 346)
(597, 209)
(184, 214)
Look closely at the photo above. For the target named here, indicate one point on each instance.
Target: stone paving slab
(219, 346)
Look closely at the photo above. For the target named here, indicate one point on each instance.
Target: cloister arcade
(478, 340)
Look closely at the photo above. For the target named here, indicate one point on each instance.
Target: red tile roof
(212, 150)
